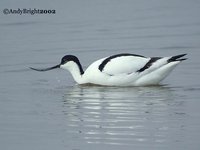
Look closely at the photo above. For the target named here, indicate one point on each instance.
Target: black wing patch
(149, 63)
(103, 64)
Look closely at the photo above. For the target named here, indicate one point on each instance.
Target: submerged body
(120, 70)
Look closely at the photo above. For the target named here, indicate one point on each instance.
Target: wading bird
(120, 70)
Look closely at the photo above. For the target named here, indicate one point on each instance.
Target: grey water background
(49, 111)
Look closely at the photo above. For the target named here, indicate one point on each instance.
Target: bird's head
(67, 62)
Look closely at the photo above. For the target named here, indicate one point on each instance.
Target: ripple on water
(119, 116)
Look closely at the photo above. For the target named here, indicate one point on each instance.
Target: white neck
(74, 69)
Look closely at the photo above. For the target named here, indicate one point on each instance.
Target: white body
(123, 71)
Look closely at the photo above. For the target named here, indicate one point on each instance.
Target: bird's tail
(177, 58)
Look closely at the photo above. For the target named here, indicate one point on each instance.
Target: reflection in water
(121, 116)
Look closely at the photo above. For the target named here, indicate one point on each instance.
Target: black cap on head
(73, 58)
(68, 58)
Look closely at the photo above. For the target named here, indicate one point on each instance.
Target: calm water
(49, 111)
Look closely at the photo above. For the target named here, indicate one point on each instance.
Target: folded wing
(123, 64)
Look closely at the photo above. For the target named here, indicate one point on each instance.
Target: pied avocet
(120, 70)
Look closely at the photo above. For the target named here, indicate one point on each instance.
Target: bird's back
(131, 70)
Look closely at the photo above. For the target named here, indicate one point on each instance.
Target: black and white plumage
(120, 70)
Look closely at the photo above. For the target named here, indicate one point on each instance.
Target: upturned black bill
(46, 69)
